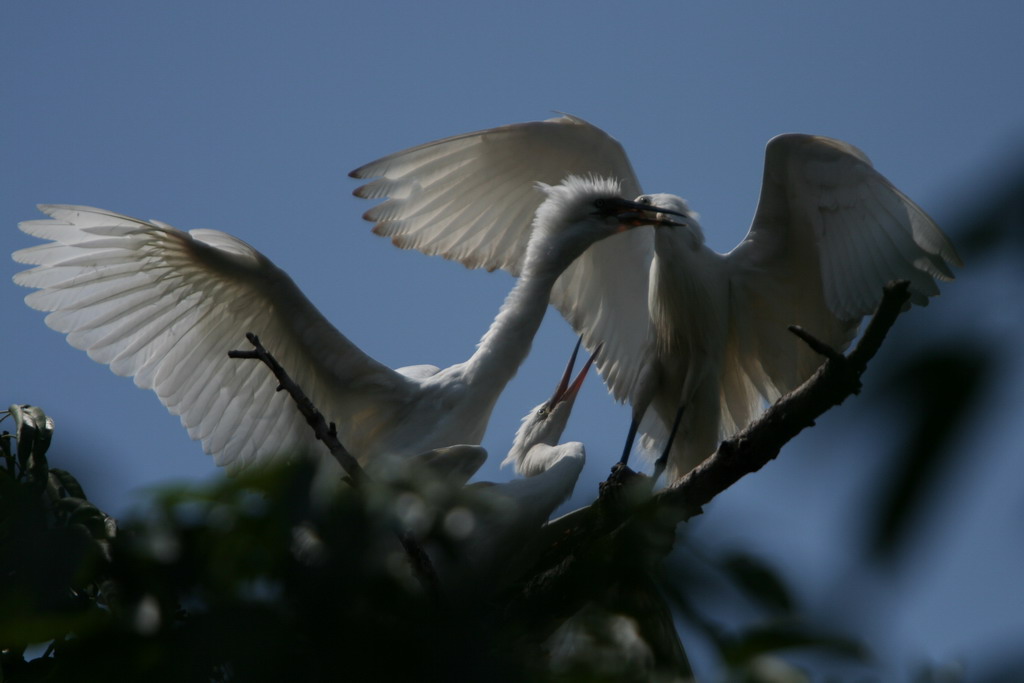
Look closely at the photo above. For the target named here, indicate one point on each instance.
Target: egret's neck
(507, 342)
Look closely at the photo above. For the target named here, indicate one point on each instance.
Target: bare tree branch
(601, 542)
(751, 449)
(328, 434)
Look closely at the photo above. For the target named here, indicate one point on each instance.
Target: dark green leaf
(937, 391)
(34, 431)
(5, 446)
(64, 479)
(789, 636)
(758, 581)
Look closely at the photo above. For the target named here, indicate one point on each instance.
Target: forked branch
(591, 543)
(327, 433)
(750, 450)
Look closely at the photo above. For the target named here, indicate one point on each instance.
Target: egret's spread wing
(472, 198)
(165, 306)
(603, 295)
(829, 233)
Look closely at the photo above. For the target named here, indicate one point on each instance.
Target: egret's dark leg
(634, 425)
(647, 382)
(659, 465)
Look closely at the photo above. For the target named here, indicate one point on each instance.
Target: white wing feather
(829, 233)
(165, 306)
(471, 198)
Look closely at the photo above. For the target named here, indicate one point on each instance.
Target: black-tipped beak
(566, 391)
(637, 213)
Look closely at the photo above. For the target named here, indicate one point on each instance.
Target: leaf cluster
(253, 579)
(55, 548)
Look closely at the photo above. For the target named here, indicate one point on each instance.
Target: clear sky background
(246, 117)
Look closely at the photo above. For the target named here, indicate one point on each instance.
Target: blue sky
(247, 118)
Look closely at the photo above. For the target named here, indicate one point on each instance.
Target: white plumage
(679, 324)
(165, 306)
(542, 427)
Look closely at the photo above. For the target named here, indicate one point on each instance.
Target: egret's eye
(602, 204)
(643, 199)
(542, 411)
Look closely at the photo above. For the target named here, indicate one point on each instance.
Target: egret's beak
(566, 391)
(633, 214)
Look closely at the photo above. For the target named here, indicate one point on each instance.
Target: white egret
(543, 425)
(532, 450)
(495, 529)
(165, 306)
(679, 324)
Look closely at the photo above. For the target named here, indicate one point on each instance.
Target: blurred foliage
(938, 385)
(936, 391)
(54, 546)
(994, 223)
(253, 579)
(708, 591)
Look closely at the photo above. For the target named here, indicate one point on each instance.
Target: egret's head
(582, 210)
(545, 423)
(676, 206)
